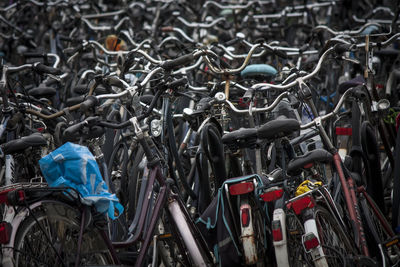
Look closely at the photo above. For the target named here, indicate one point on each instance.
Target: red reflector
(277, 230)
(344, 131)
(301, 204)
(309, 165)
(245, 217)
(21, 195)
(241, 188)
(310, 241)
(3, 196)
(272, 195)
(5, 232)
(40, 129)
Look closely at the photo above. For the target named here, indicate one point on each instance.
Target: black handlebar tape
(280, 54)
(41, 69)
(341, 48)
(180, 61)
(177, 83)
(90, 102)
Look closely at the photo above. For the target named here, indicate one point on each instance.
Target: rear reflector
(310, 241)
(300, 204)
(272, 194)
(245, 217)
(241, 188)
(16, 197)
(277, 230)
(3, 196)
(343, 131)
(5, 232)
(309, 165)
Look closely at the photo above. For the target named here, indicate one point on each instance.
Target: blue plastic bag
(72, 165)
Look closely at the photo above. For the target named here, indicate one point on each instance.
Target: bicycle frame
(197, 247)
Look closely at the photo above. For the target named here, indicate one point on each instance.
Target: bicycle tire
(332, 237)
(377, 230)
(296, 253)
(134, 183)
(61, 223)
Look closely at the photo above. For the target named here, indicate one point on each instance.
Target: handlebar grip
(174, 63)
(167, 29)
(90, 102)
(177, 83)
(41, 69)
(70, 132)
(232, 42)
(341, 48)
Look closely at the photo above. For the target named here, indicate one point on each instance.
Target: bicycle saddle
(82, 89)
(146, 99)
(278, 128)
(242, 138)
(258, 70)
(42, 91)
(343, 87)
(74, 100)
(18, 145)
(317, 155)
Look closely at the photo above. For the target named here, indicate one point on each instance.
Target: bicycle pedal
(164, 236)
(391, 241)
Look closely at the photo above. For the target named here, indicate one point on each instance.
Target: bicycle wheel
(296, 253)
(333, 238)
(49, 237)
(377, 231)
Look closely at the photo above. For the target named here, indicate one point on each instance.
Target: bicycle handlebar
(300, 79)
(334, 112)
(221, 98)
(200, 24)
(354, 32)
